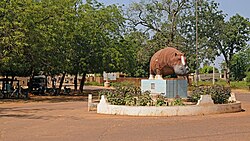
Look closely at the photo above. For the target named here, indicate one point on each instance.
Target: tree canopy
(76, 37)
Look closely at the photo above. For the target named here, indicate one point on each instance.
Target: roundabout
(205, 106)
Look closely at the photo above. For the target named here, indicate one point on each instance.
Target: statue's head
(180, 65)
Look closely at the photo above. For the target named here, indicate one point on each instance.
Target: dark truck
(38, 84)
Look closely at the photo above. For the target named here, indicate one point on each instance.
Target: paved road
(70, 121)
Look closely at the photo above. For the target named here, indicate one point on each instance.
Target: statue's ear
(175, 54)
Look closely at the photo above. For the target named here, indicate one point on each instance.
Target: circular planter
(204, 109)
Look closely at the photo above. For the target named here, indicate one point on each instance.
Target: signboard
(110, 76)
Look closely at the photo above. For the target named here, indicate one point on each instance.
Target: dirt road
(70, 121)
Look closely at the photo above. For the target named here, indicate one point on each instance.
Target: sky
(229, 7)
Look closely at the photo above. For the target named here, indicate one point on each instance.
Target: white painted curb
(204, 109)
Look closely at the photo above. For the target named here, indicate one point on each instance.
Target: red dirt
(70, 121)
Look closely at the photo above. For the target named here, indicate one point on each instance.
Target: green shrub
(178, 102)
(127, 95)
(219, 94)
(113, 97)
(144, 99)
(160, 101)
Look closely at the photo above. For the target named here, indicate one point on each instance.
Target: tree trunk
(46, 82)
(227, 69)
(82, 82)
(53, 81)
(75, 82)
(228, 75)
(61, 82)
(30, 85)
(12, 80)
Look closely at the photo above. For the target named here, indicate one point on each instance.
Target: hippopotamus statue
(168, 61)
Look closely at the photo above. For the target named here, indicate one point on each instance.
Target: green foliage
(177, 102)
(122, 84)
(93, 84)
(248, 78)
(239, 85)
(76, 37)
(160, 101)
(240, 65)
(59, 36)
(113, 97)
(233, 38)
(208, 69)
(233, 84)
(219, 94)
(127, 95)
(130, 95)
(144, 99)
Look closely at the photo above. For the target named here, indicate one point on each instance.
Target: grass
(240, 85)
(233, 84)
(93, 84)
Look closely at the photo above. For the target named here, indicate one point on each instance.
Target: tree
(135, 56)
(11, 37)
(233, 38)
(209, 25)
(159, 17)
(94, 45)
(240, 64)
(172, 23)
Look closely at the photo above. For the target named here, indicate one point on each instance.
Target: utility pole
(213, 74)
(196, 41)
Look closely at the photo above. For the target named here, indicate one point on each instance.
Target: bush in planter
(144, 99)
(113, 97)
(177, 102)
(160, 101)
(219, 94)
(127, 95)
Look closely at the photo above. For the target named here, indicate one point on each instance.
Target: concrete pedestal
(169, 88)
(106, 84)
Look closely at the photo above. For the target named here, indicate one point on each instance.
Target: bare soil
(67, 119)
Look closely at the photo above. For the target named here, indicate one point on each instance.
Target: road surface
(70, 121)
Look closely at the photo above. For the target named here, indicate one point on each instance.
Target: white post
(89, 101)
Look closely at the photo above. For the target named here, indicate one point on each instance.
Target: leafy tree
(240, 64)
(136, 56)
(94, 45)
(172, 23)
(11, 37)
(233, 38)
(160, 17)
(210, 20)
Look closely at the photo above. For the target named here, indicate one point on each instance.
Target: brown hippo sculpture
(168, 61)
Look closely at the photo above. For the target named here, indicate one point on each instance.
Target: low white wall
(104, 108)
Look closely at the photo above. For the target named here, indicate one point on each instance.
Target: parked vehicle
(38, 84)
